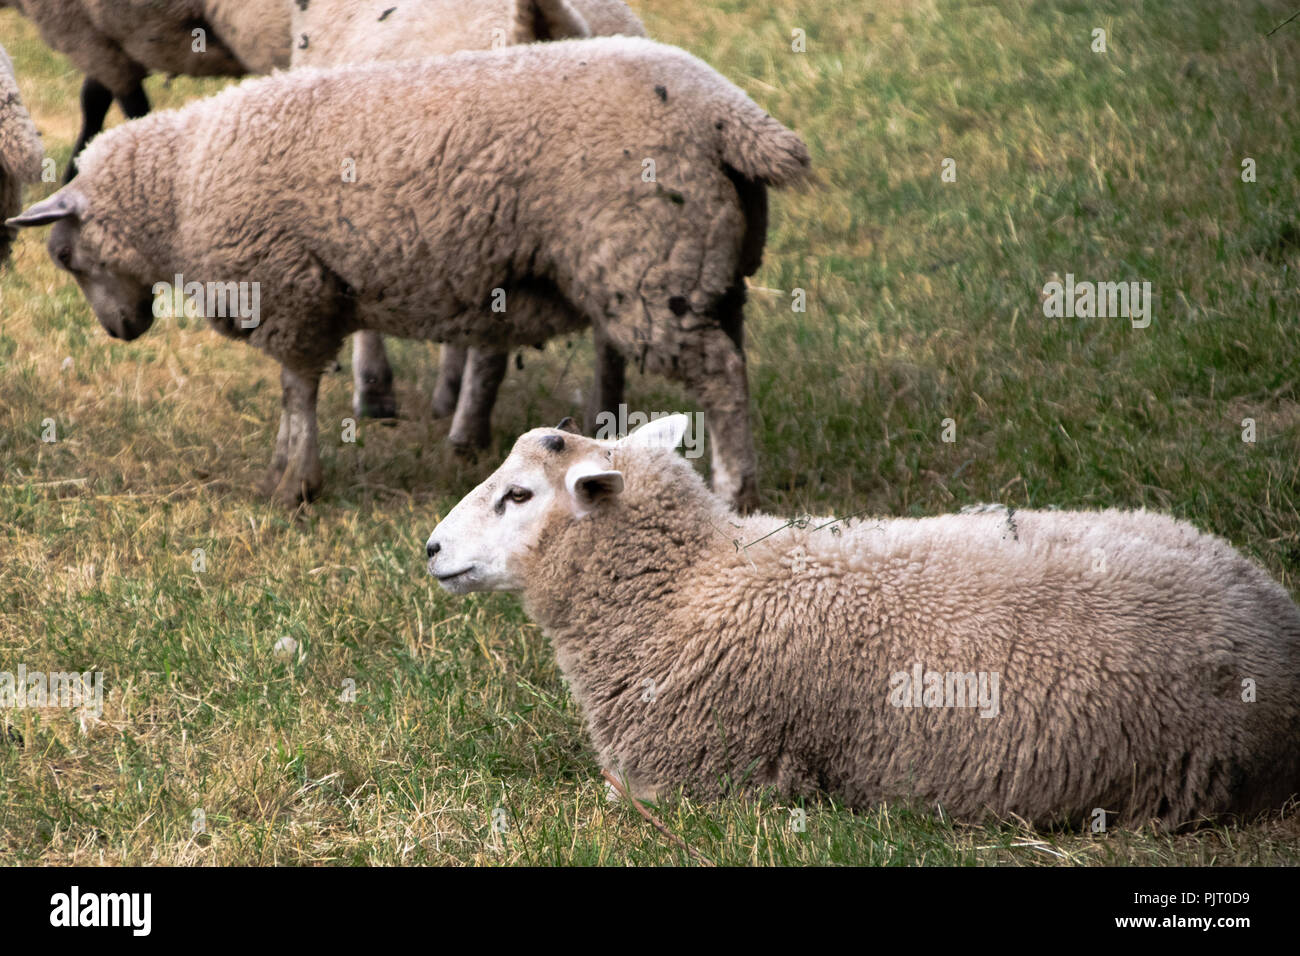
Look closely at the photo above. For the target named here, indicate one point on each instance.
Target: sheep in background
(20, 151)
(335, 32)
(117, 43)
(351, 202)
(1137, 666)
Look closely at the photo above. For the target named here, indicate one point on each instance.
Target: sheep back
(1145, 668)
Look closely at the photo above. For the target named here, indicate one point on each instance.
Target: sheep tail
(761, 149)
(537, 20)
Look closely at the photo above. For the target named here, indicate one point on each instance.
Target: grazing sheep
(457, 180)
(20, 151)
(117, 43)
(336, 32)
(1115, 660)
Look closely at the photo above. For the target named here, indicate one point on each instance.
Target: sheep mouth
(445, 578)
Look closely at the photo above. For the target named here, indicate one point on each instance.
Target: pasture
(136, 543)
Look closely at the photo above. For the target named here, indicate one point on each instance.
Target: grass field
(923, 304)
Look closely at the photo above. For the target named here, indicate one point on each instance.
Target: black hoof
(375, 406)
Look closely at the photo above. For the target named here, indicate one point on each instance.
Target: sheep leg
(471, 428)
(451, 373)
(713, 370)
(134, 102)
(295, 473)
(607, 390)
(372, 377)
(96, 98)
(724, 397)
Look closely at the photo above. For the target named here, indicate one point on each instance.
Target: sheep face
(552, 475)
(122, 303)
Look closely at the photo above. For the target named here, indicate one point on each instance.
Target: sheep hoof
(467, 450)
(374, 404)
(469, 442)
(289, 491)
(745, 499)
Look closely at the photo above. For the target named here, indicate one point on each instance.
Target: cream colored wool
(119, 42)
(20, 151)
(330, 33)
(1123, 642)
(466, 182)
(334, 32)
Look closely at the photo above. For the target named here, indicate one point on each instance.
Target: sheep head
(122, 302)
(551, 474)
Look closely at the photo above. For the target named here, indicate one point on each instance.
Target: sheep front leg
(471, 428)
(96, 98)
(607, 390)
(295, 473)
(451, 372)
(372, 378)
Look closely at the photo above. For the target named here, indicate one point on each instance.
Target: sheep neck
(601, 586)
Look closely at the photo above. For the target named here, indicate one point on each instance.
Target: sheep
(117, 43)
(448, 205)
(20, 151)
(339, 32)
(1120, 663)
(336, 32)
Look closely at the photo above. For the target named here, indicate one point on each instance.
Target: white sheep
(330, 33)
(20, 150)
(117, 43)
(1057, 665)
(351, 203)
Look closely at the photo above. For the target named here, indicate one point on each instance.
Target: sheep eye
(514, 494)
(64, 255)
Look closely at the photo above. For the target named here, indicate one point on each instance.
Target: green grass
(923, 304)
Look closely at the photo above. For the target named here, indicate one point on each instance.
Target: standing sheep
(20, 151)
(337, 32)
(398, 197)
(1040, 663)
(117, 43)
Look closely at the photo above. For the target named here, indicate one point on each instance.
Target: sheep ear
(62, 204)
(570, 426)
(666, 432)
(589, 485)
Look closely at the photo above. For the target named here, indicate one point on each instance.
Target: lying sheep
(449, 204)
(335, 32)
(1137, 666)
(117, 43)
(20, 151)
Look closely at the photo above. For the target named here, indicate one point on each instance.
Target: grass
(923, 305)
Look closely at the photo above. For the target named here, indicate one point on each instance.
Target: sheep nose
(432, 548)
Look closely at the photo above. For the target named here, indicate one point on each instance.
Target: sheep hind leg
(471, 428)
(372, 377)
(451, 373)
(295, 473)
(713, 370)
(607, 390)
